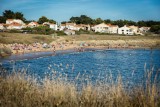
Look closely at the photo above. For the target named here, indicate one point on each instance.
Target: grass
(9, 38)
(109, 37)
(21, 90)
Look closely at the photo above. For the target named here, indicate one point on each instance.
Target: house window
(122, 30)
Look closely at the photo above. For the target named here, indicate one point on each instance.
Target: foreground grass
(20, 90)
(9, 38)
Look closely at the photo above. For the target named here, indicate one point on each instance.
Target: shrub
(5, 51)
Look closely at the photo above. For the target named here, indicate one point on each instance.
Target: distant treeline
(84, 19)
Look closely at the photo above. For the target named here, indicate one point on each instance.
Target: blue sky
(62, 10)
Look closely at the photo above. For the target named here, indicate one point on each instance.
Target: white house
(62, 27)
(144, 29)
(53, 26)
(33, 24)
(84, 27)
(105, 28)
(14, 25)
(125, 30)
(71, 26)
(10, 21)
(113, 29)
(1, 26)
(101, 28)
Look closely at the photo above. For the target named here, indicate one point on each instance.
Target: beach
(80, 42)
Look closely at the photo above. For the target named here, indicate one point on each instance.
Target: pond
(93, 66)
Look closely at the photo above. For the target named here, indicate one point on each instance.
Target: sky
(63, 10)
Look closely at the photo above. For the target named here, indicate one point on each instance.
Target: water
(92, 65)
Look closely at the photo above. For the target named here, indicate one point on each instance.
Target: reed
(22, 90)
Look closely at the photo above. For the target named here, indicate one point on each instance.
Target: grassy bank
(20, 90)
(9, 38)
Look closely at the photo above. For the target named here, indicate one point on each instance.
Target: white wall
(125, 30)
(53, 26)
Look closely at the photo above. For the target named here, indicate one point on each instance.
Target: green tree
(83, 19)
(2, 19)
(19, 15)
(8, 14)
(43, 19)
(155, 29)
(98, 21)
(52, 21)
(107, 21)
(75, 20)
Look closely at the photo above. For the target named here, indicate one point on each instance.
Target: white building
(15, 25)
(105, 28)
(10, 21)
(71, 26)
(84, 27)
(113, 29)
(144, 29)
(101, 28)
(1, 26)
(53, 26)
(33, 24)
(62, 27)
(125, 30)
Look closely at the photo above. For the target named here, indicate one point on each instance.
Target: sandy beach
(79, 42)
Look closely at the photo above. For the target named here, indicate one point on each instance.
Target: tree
(43, 19)
(98, 21)
(141, 23)
(19, 15)
(52, 21)
(2, 19)
(83, 19)
(8, 14)
(75, 20)
(107, 21)
(155, 29)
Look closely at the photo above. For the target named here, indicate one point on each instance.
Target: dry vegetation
(20, 90)
(83, 37)
(9, 38)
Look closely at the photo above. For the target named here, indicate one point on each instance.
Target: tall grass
(22, 90)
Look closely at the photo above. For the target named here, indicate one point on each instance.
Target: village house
(14, 25)
(125, 30)
(144, 29)
(62, 27)
(103, 28)
(10, 21)
(135, 30)
(33, 24)
(85, 27)
(113, 29)
(71, 26)
(51, 25)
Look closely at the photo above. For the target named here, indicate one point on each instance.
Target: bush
(81, 31)
(155, 29)
(15, 31)
(5, 51)
(60, 33)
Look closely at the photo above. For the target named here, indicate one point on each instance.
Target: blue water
(94, 65)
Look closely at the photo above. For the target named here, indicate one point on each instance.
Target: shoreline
(40, 54)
